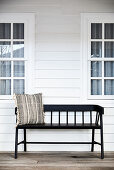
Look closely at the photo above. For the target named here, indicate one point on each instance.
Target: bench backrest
(83, 109)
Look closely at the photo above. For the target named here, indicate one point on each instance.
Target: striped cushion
(29, 108)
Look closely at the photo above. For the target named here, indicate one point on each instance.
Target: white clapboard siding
(74, 46)
(56, 38)
(60, 20)
(60, 65)
(7, 112)
(64, 83)
(60, 28)
(55, 56)
(57, 72)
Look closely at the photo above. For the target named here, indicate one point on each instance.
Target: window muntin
(101, 59)
(12, 59)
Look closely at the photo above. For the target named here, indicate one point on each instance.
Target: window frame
(86, 20)
(29, 36)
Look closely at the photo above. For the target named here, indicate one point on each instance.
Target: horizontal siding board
(51, 65)
(43, 10)
(60, 28)
(60, 19)
(58, 38)
(7, 111)
(33, 2)
(59, 46)
(55, 56)
(86, 6)
(72, 83)
(52, 74)
(7, 128)
(7, 119)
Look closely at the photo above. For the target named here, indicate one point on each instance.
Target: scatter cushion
(29, 108)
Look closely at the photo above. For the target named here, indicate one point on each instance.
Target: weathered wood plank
(57, 161)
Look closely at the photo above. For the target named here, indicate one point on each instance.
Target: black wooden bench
(95, 110)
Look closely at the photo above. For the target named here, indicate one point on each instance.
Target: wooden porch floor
(57, 161)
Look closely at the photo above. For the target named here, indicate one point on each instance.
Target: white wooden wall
(57, 69)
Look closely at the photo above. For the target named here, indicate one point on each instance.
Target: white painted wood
(58, 37)
(57, 65)
(57, 71)
(73, 46)
(57, 74)
(58, 56)
(64, 83)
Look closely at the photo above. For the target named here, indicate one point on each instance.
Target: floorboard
(57, 161)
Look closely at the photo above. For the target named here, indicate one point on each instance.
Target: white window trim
(86, 19)
(29, 38)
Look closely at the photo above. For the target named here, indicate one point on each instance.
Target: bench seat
(61, 126)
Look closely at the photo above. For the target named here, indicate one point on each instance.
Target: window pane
(96, 31)
(109, 31)
(5, 87)
(19, 86)
(109, 50)
(109, 87)
(5, 49)
(96, 87)
(96, 69)
(109, 68)
(5, 69)
(96, 49)
(5, 30)
(18, 31)
(18, 49)
(19, 68)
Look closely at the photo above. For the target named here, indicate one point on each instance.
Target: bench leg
(102, 145)
(16, 143)
(24, 140)
(93, 135)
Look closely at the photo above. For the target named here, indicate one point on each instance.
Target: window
(12, 60)
(102, 59)
(98, 57)
(16, 54)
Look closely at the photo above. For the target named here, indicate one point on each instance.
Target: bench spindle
(59, 118)
(51, 117)
(91, 117)
(67, 117)
(82, 117)
(97, 118)
(75, 117)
